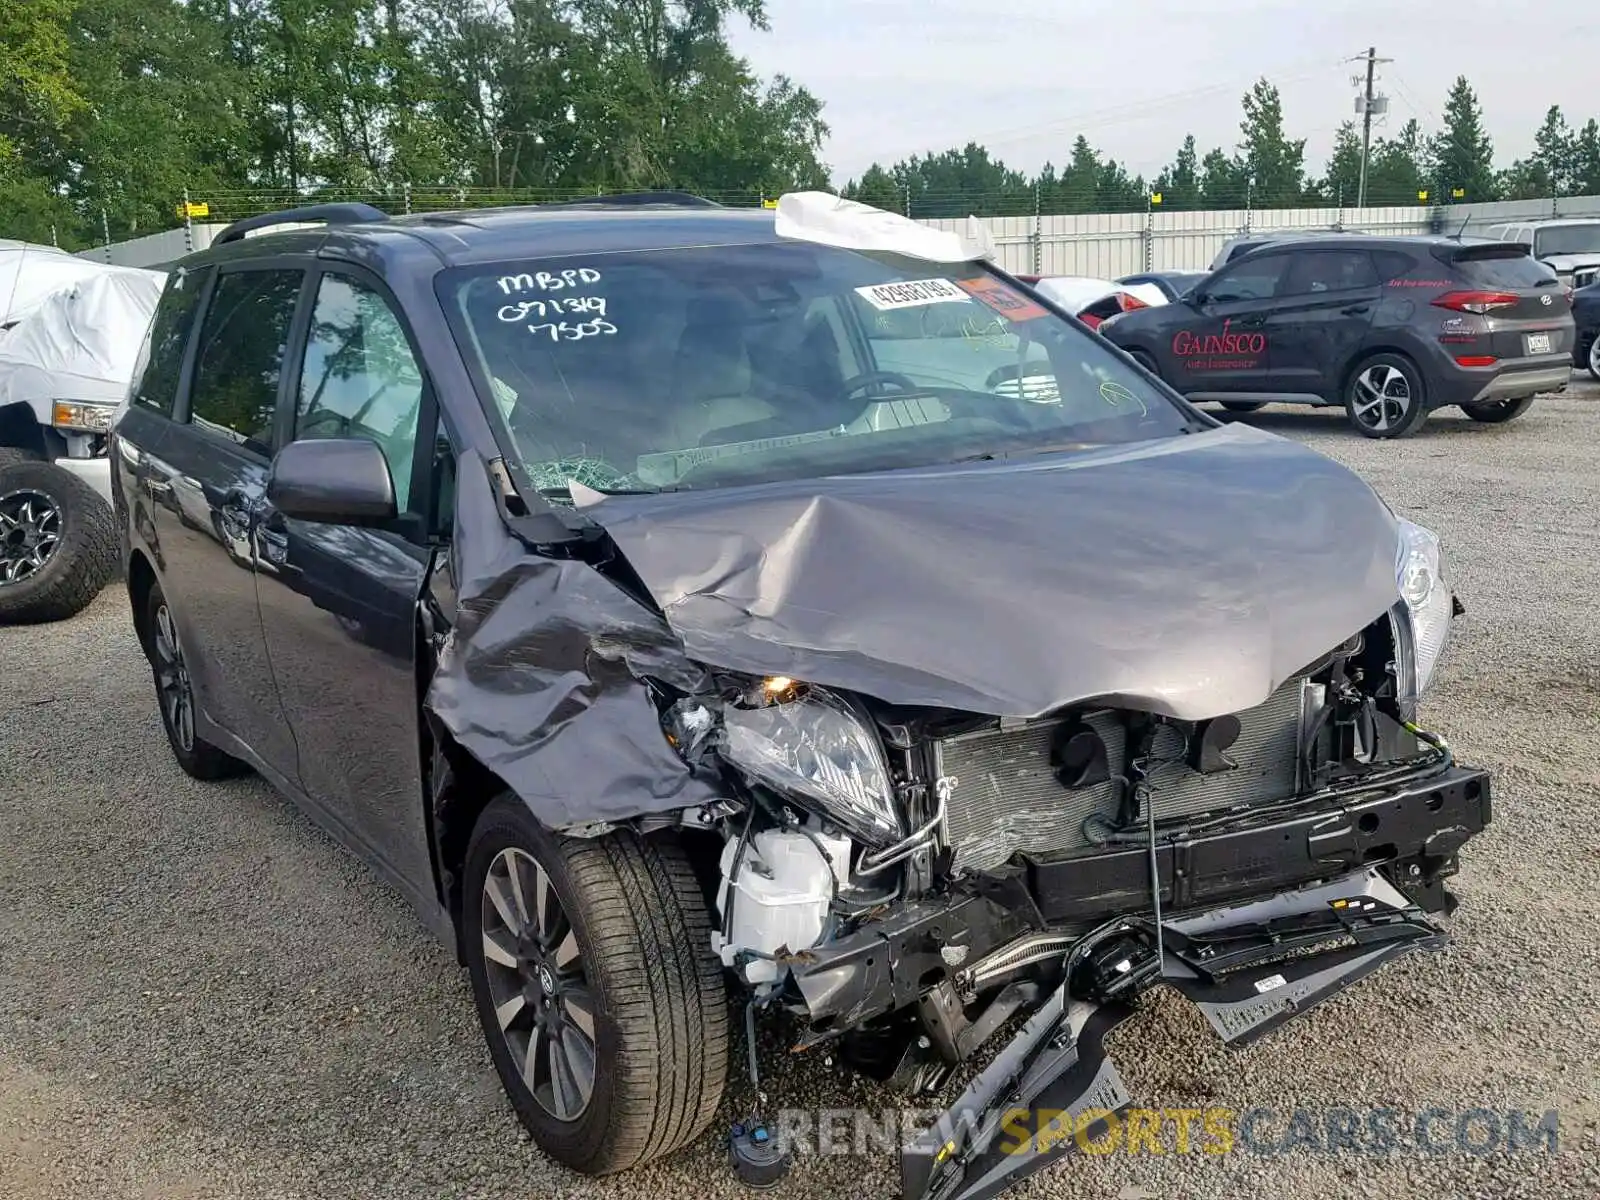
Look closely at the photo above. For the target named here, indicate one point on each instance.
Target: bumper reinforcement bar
(1249, 969)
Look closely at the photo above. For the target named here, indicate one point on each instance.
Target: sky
(1025, 77)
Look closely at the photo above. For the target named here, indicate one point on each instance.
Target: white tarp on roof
(81, 341)
(29, 273)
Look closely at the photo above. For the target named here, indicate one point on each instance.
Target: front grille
(1006, 798)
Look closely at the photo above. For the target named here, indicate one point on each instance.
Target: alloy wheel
(1382, 398)
(542, 998)
(30, 532)
(1594, 356)
(172, 680)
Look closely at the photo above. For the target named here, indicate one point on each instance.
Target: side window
(1254, 278)
(360, 378)
(1318, 271)
(1392, 264)
(155, 375)
(235, 391)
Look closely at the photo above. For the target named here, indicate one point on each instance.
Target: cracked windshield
(692, 368)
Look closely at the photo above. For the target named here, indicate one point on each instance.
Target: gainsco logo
(1226, 343)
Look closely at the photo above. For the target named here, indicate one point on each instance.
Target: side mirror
(338, 481)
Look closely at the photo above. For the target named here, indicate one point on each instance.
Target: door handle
(1251, 322)
(1355, 310)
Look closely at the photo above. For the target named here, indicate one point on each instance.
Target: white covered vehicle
(1094, 300)
(69, 335)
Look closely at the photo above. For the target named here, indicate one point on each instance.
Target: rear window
(1499, 269)
(1392, 264)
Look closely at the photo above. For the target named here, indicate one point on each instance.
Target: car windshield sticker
(912, 293)
(1008, 302)
(559, 309)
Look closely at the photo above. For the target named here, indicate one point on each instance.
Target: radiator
(1007, 799)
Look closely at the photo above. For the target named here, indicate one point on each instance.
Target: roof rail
(637, 200)
(333, 214)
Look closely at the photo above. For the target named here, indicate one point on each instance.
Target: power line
(1118, 114)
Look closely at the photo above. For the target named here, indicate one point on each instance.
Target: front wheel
(1385, 397)
(1498, 412)
(1244, 406)
(596, 987)
(58, 542)
(1146, 360)
(1594, 357)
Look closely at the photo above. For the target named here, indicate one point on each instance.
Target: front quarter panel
(542, 677)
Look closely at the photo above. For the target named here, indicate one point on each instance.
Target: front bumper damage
(1249, 968)
(1260, 920)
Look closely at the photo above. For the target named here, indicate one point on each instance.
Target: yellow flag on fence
(190, 211)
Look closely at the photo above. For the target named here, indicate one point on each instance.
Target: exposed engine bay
(905, 882)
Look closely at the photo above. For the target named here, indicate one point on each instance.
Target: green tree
(37, 92)
(876, 187)
(1179, 182)
(1273, 163)
(1399, 167)
(1341, 181)
(1586, 160)
(1222, 181)
(1462, 154)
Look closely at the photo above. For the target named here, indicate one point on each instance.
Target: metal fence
(1103, 246)
(1111, 245)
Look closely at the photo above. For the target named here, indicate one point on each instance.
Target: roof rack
(637, 200)
(332, 214)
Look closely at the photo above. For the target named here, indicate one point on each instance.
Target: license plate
(1538, 343)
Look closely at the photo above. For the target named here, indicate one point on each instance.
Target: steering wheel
(867, 378)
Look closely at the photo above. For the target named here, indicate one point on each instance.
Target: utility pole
(1367, 104)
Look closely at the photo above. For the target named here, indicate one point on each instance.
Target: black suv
(1390, 327)
(1586, 313)
(654, 592)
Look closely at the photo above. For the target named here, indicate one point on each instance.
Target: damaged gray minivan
(661, 595)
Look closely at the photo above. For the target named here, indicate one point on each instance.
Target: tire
(1498, 412)
(11, 455)
(1146, 360)
(630, 942)
(198, 758)
(1243, 406)
(58, 542)
(1594, 356)
(1384, 397)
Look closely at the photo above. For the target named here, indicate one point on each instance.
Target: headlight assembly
(816, 747)
(89, 416)
(1422, 620)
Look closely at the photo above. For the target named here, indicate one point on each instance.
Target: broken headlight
(818, 749)
(1424, 613)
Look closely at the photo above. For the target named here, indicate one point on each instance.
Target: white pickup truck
(70, 333)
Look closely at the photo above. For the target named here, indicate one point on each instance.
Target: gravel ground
(201, 996)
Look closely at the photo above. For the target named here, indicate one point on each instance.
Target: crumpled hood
(1188, 577)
